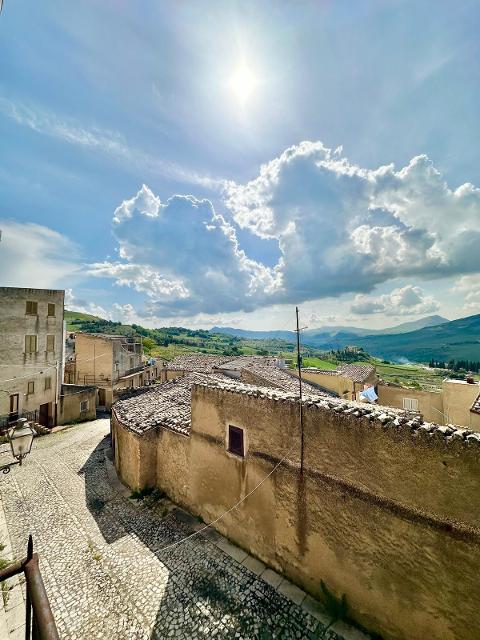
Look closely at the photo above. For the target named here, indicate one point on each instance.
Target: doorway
(43, 415)
(13, 413)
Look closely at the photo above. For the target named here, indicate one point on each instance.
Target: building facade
(111, 363)
(31, 354)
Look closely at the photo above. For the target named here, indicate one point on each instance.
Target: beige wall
(341, 385)
(18, 367)
(389, 518)
(430, 403)
(458, 397)
(70, 403)
(94, 358)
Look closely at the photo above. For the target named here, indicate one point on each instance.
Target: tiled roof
(356, 372)
(280, 378)
(199, 362)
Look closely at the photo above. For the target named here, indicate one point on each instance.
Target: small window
(51, 310)
(50, 343)
(31, 387)
(235, 441)
(48, 384)
(84, 406)
(31, 308)
(30, 344)
(410, 404)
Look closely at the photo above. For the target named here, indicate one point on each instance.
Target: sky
(203, 163)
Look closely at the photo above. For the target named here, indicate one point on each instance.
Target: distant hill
(329, 334)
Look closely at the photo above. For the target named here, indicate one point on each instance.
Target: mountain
(329, 334)
(458, 339)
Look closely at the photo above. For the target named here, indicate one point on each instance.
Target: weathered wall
(70, 401)
(388, 516)
(18, 367)
(94, 358)
(458, 397)
(344, 387)
(135, 456)
(430, 403)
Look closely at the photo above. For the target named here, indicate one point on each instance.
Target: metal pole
(28, 611)
(302, 434)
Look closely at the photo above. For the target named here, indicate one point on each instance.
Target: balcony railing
(128, 372)
(39, 620)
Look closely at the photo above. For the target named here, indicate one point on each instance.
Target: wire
(210, 524)
(43, 369)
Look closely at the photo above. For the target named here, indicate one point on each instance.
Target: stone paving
(102, 561)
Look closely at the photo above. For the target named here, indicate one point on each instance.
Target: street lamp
(21, 438)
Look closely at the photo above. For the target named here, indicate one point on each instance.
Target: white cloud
(406, 301)
(111, 143)
(340, 228)
(469, 287)
(32, 255)
(72, 303)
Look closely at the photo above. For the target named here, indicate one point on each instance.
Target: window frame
(48, 381)
(49, 306)
(31, 384)
(238, 432)
(28, 338)
(410, 401)
(34, 303)
(83, 403)
(52, 340)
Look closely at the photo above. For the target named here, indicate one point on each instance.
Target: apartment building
(31, 354)
(111, 363)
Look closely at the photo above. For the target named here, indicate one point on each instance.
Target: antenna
(302, 432)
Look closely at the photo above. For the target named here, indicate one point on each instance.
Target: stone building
(385, 510)
(111, 363)
(346, 381)
(31, 353)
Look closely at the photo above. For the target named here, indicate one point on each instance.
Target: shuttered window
(31, 308)
(50, 343)
(30, 344)
(410, 404)
(51, 310)
(48, 384)
(31, 387)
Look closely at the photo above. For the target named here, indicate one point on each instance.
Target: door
(14, 406)
(102, 397)
(43, 417)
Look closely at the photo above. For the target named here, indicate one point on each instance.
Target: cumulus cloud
(340, 228)
(32, 255)
(469, 287)
(406, 301)
(72, 303)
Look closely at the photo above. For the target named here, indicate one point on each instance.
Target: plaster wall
(430, 403)
(341, 385)
(94, 358)
(70, 402)
(389, 518)
(458, 397)
(42, 368)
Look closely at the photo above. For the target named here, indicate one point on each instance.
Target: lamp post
(20, 438)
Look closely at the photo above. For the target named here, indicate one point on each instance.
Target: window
(235, 441)
(31, 308)
(83, 406)
(50, 343)
(48, 384)
(31, 387)
(30, 344)
(410, 404)
(51, 310)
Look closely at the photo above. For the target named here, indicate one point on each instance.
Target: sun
(243, 83)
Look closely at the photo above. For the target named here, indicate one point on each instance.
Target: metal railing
(39, 620)
(141, 367)
(10, 419)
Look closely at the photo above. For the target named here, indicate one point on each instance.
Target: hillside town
(241, 459)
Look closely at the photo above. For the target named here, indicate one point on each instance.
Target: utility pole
(302, 433)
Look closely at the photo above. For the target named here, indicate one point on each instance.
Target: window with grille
(83, 406)
(31, 387)
(235, 441)
(410, 404)
(31, 308)
(30, 344)
(48, 384)
(50, 343)
(51, 310)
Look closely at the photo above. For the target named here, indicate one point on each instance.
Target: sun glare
(243, 83)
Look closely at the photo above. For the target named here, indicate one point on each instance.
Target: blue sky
(133, 135)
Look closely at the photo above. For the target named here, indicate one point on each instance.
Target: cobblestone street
(101, 559)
